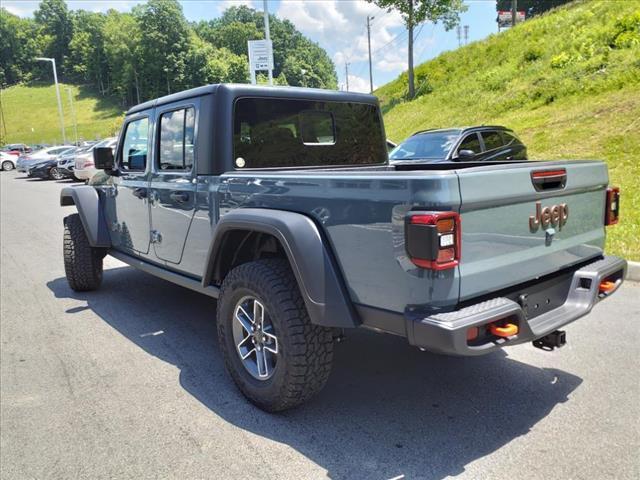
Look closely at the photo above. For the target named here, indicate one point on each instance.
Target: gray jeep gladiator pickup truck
(281, 204)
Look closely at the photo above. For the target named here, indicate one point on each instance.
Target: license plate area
(544, 296)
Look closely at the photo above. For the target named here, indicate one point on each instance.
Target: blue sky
(339, 26)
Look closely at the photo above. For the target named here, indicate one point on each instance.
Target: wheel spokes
(255, 339)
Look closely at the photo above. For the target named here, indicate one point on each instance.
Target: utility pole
(267, 36)
(73, 115)
(412, 88)
(514, 12)
(55, 79)
(346, 73)
(459, 34)
(466, 34)
(369, 40)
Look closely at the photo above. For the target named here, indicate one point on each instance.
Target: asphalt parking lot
(127, 382)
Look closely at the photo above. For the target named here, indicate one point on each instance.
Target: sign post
(260, 57)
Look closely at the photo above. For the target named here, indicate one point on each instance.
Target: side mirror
(466, 154)
(103, 158)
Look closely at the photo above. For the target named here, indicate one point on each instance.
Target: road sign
(260, 57)
(504, 18)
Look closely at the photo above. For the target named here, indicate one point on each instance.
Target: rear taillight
(433, 239)
(612, 206)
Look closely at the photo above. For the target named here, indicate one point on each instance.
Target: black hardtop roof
(462, 130)
(244, 90)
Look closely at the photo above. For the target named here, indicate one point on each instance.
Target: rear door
(512, 230)
(173, 185)
(494, 146)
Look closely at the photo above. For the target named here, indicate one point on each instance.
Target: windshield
(426, 145)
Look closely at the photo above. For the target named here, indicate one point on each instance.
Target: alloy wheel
(55, 174)
(254, 337)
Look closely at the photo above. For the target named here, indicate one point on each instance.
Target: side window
(492, 140)
(135, 145)
(176, 150)
(510, 139)
(470, 142)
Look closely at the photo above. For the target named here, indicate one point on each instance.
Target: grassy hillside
(568, 82)
(31, 114)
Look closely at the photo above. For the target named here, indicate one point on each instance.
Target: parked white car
(85, 168)
(7, 161)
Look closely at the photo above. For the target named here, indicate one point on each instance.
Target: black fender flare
(313, 264)
(87, 202)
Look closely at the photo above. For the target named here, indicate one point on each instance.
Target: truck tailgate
(501, 247)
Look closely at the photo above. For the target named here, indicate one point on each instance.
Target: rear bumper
(447, 332)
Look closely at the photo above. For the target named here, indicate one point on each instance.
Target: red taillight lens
(433, 239)
(612, 206)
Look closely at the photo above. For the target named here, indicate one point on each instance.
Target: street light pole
(55, 79)
(73, 114)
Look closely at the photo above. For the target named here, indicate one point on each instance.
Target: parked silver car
(26, 161)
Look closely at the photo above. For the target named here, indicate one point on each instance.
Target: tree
(415, 12)
(18, 48)
(87, 60)
(122, 50)
(239, 24)
(57, 26)
(164, 43)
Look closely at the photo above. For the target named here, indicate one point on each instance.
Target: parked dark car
(469, 144)
(46, 170)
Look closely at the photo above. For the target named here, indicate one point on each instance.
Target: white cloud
(340, 27)
(222, 5)
(359, 84)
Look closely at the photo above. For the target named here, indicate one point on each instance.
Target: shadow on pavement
(387, 410)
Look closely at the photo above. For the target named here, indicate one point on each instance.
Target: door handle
(140, 192)
(180, 197)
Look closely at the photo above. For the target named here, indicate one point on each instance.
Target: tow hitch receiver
(555, 339)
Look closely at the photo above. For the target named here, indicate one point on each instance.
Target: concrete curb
(633, 271)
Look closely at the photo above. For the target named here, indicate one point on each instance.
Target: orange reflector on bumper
(607, 286)
(506, 330)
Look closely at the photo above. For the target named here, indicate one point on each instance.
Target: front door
(173, 187)
(129, 220)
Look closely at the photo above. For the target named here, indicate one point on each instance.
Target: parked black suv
(469, 144)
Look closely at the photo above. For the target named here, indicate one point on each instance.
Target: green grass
(31, 114)
(567, 82)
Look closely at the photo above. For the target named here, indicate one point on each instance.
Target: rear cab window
(176, 149)
(271, 133)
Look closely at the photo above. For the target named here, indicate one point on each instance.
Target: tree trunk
(412, 89)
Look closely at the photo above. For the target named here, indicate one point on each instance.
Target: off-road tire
(305, 350)
(7, 166)
(82, 263)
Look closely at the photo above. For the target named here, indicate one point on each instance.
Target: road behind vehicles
(7, 161)
(285, 209)
(469, 144)
(84, 167)
(50, 153)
